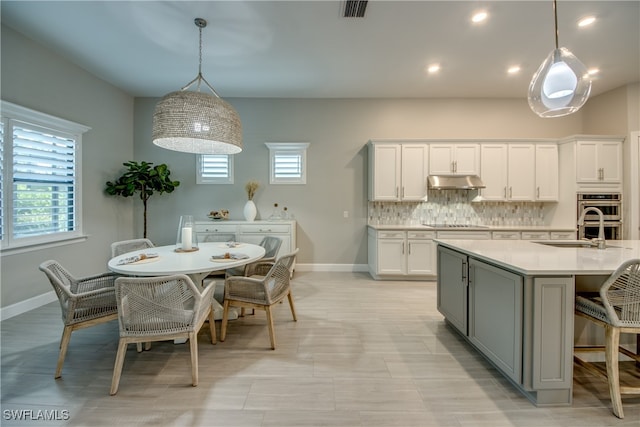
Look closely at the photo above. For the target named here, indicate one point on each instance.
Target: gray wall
(38, 79)
(337, 129)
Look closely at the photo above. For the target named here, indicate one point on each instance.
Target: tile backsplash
(456, 207)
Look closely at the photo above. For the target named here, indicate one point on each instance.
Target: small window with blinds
(40, 177)
(214, 169)
(287, 162)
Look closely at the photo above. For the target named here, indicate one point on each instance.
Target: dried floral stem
(251, 187)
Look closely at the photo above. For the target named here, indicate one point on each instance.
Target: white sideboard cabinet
(250, 232)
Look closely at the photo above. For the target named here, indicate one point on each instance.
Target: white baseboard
(333, 267)
(27, 305)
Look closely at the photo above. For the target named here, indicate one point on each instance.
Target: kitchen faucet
(600, 241)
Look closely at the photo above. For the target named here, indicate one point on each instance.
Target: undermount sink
(571, 244)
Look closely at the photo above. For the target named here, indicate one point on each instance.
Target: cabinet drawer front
(215, 228)
(391, 235)
(428, 235)
(505, 235)
(265, 228)
(469, 235)
(563, 235)
(535, 235)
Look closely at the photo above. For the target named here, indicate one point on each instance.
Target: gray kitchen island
(513, 301)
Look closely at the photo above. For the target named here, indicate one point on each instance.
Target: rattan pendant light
(561, 85)
(197, 122)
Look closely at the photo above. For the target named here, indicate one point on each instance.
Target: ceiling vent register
(355, 8)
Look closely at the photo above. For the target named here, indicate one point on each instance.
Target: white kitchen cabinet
(391, 251)
(494, 171)
(599, 161)
(547, 172)
(454, 159)
(519, 172)
(401, 254)
(421, 253)
(398, 171)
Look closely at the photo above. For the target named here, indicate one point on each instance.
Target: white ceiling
(307, 49)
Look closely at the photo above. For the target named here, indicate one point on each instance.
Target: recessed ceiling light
(434, 68)
(479, 17)
(587, 20)
(513, 69)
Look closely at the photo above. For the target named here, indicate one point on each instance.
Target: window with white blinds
(40, 177)
(288, 162)
(214, 169)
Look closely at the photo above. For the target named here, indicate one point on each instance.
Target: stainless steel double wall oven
(611, 206)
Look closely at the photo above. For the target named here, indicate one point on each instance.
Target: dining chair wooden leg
(292, 305)
(193, 347)
(225, 319)
(212, 326)
(272, 331)
(117, 368)
(612, 337)
(64, 344)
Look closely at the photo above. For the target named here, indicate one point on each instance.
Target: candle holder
(186, 241)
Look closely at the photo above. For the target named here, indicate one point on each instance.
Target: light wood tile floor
(363, 353)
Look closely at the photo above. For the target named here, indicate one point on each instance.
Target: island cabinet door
(452, 287)
(495, 316)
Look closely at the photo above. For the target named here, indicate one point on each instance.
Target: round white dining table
(197, 264)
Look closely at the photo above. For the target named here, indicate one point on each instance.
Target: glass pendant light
(561, 85)
(197, 122)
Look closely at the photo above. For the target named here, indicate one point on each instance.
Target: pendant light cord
(555, 15)
(200, 23)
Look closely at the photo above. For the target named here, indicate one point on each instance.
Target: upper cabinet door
(467, 159)
(414, 172)
(599, 162)
(521, 172)
(454, 159)
(493, 171)
(384, 172)
(441, 159)
(547, 169)
(610, 161)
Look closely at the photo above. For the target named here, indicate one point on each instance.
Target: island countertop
(535, 259)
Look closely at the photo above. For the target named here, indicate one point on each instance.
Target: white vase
(250, 211)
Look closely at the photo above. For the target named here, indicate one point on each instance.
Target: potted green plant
(144, 179)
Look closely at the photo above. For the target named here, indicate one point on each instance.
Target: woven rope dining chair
(617, 309)
(160, 309)
(271, 245)
(124, 246)
(85, 302)
(270, 285)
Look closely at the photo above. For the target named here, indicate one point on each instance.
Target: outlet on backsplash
(455, 207)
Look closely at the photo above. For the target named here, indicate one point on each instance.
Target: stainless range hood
(454, 182)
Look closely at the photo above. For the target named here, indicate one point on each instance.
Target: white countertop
(534, 259)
